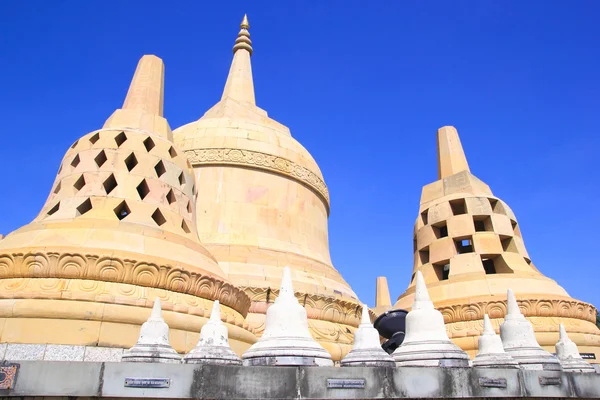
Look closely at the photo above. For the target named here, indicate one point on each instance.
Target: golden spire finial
(245, 24)
(243, 40)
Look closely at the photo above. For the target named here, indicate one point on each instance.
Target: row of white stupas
(287, 341)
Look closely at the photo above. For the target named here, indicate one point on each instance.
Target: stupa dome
(117, 231)
(265, 205)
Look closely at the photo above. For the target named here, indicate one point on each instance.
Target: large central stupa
(264, 205)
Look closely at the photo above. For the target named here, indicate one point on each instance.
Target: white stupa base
(534, 358)
(216, 355)
(576, 365)
(375, 357)
(498, 360)
(151, 353)
(431, 353)
(287, 351)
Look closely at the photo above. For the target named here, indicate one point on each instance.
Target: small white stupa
(213, 346)
(286, 339)
(367, 350)
(153, 344)
(568, 354)
(519, 340)
(491, 353)
(426, 343)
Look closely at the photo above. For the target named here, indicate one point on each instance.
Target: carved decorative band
(112, 269)
(529, 307)
(257, 159)
(319, 307)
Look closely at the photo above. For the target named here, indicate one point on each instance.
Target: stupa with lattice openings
(117, 231)
(469, 248)
(265, 205)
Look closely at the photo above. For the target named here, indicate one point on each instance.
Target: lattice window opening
(182, 180)
(131, 162)
(109, 184)
(120, 139)
(57, 188)
(170, 196)
(424, 256)
(94, 138)
(424, 218)
(84, 207)
(54, 209)
(483, 223)
(79, 183)
(159, 218)
(143, 189)
(185, 227)
(489, 266)
(442, 271)
(75, 144)
(440, 230)
(172, 152)
(458, 206)
(509, 245)
(149, 144)
(160, 169)
(100, 159)
(75, 162)
(189, 207)
(122, 210)
(464, 246)
(497, 207)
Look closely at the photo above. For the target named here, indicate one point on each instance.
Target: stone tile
(2, 350)
(24, 352)
(58, 352)
(102, 354)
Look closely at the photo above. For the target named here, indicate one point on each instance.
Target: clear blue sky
(364, 89)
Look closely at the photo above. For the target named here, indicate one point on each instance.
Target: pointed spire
(422, 300)
(364, 318)
(213, 346)
(568, 354)
(240, 86)
(146, 92)
(491, 353)
(382, 293)
(153, 344)
(286, 339)
(451, 157)
(488, 329)
(366, 350)
(512, 305)
(215, 314)
(144, 103)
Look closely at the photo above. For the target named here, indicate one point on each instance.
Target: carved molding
(529, 307)
(112, 269)
(257, 159)
(324, 308)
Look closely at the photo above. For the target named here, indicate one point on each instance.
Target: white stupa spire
(153, 344)
(568, 354)
(518, 340)
(366, 350)
(491, 353)
(426, 342)
(286, 339)
(213, 346)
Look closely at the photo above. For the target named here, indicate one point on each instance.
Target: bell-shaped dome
(265, 205)
(119, 228)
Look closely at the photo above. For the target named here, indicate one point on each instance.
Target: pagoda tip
(365, 319)
(245, 24)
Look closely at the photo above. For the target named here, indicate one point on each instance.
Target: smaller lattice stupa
(117, 231)
(469, 247)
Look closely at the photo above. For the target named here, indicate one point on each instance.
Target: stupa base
(495, 361)
(576, 365)
(368, 358)
(212, 355)
(431, 353)
(534, 358)
(151, 354)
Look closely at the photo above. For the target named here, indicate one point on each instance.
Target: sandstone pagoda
(469, 248)
(265, 205)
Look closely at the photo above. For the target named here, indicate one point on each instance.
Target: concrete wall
(86, 379)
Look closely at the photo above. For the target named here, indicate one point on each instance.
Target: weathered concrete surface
(192, 381)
